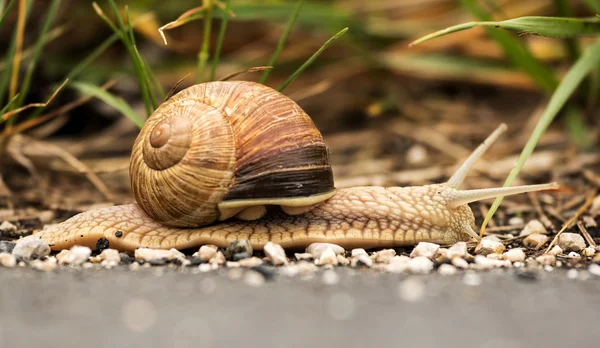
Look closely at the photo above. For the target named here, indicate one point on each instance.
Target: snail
(210, 160)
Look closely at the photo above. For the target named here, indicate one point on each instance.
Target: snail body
(245, 147)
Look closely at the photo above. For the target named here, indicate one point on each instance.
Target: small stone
(533, 226)
(8, 260)
(328, 257)
(594, 269)
(488, 246)
(361, 260)
(6, 246)
(276, 253)
(596, 258)
(384, 256)
(253, 278)
(420, 265)
(515, 255)
(574, 255)
(457, 250)
(205, 267)
(177, 254)
(416, 154)
(412, 289)
(251, 262)
(126, 259)
(148, 255)
(425, 249)
(342, 260)
(447, 270)
(330, 277)
(595, 209)
(102, 244)
(492, 237)
(47, 265)
(571, 241)
(218, 259)
(535, 240)
(241, 247)
(589, 251)
(207, 252)
(76, 256)
(8, 230)
(556, 250)
(459, 262)
(359, 251)
(304, 256)
(516, 220)
(316, 249)
(546, 259)
(233, 264)
(31, 248)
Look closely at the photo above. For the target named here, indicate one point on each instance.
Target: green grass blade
(9, 105)
(37, 51)
(594, 5)
(5, 13)
(116, 102)
(311, 59)
(96, 52)
(220, 41)
(203, 54)
(588, 61)
(282, 40)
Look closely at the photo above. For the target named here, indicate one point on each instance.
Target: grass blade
(311, 59)
(203, 55)
(220, 42)
(12, 89)
(116, 102)
(282, 40)
(588, 61)
(9, 104)
(3, 17)
(594, 5)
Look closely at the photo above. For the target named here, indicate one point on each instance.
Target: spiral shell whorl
(182, 160)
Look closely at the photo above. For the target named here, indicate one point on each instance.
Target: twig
(254, 69)
(568, 223)
(586, 234)
(538, 208)
(8, 115)
(175, 86)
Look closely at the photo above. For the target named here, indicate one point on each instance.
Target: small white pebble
(218, 259)
(316, 249)
(177, 254)
(420, 265)
(8, 260)
(47, 265)
(556, 250)
(304, 256)
(7, 229)
(457, 250)
(31, 248)
(488, 246)
(574, 255)
(394, 267)
(425, 249)
(412, 289)
(515, 255)
(342, 260)
(546, 259)
(110, 255)
(572, 273)
(571, 241)
(328, 257)
(232, 264)
(548, 268)
(589, 251)
(484, 263)
(447, 270)
(533, 226)
(251, 262)
(276, 253)
(76, 256)
(594, 269)
(205, 267)
(207, 252)
(459, 262)
(471, 279)
(361, 259)
(148, 255)
(359, 251)
(253, 278)
(416, 154)
(515, 221)
(384, 256)
(595, 209)
(535, 240)
(330, 277)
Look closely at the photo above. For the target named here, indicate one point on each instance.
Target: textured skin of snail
(355, 217)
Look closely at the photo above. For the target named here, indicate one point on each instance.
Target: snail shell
(217, 148)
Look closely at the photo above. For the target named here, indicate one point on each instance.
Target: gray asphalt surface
(164, 308)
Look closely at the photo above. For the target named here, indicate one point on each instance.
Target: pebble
(276, 253)
(218, 259)
(253, 278)
(425, 249)
(47, 265)
(327, 257)
(457, 250)
(303, 268)
(76, 256)
(412, 289)
(488, 246)
(384, 256)
(595, 209)
(148, 255)
(304, 256)
(556, 250)
(574, 255)
(589, 251)
(420, 265)
(8, 230)
(459, 262)
(237, 249)
(251, 262)
(416, 154)
(515, 255)
(342, 260)
(361, 260)
(6, 246)
(233, 264)
(533, 226)
(535, 240)
(546, 259)
(330, 277)
(8, 260)
(110, 255)
(596, 258)
(515, 221)
(359, 251)
(316, 249)
(207, 252)
(447, 270)
(31, 248)
(594, 269)
(126, 258)
(571, 241)
(207, 267)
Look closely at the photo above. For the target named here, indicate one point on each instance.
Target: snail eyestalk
(467, 196)
(459, 176)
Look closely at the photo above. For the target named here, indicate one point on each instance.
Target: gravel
(316, 249)
(571, 241)
(31, 248)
